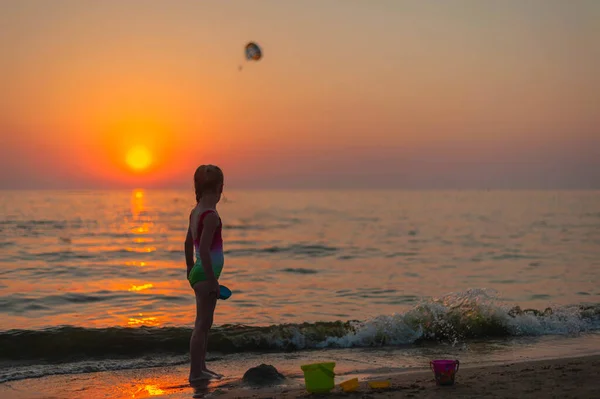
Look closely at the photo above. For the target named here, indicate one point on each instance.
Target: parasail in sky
(252, 52)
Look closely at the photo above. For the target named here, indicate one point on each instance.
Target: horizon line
(46, 189)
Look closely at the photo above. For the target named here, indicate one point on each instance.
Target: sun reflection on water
(144, 228)
(137, 203)
(141, 287)
(142, 240)
(141, 250)
(145, 321)
(139, 213)
(135, 263)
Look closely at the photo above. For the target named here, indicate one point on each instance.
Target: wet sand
(558, 378)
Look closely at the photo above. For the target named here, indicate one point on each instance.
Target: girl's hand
(213, 287)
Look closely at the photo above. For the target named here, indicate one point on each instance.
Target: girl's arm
(209, 226)
(189, 250)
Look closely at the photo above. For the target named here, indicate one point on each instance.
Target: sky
(349, 94)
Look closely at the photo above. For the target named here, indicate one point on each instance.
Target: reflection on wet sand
(202, 388)
(169, 385)
(152, 390)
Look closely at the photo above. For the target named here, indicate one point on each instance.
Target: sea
(92, 281)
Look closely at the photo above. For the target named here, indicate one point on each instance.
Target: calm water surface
(106, 258)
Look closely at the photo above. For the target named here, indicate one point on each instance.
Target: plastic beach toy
(444, 371)
(319, 377)
(379, 384)
(350, 385)
(224, 292)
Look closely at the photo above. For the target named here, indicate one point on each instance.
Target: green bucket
(319, 377)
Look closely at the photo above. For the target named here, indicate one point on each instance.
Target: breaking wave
(474, 314)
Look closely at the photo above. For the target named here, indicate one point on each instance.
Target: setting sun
(138, 158)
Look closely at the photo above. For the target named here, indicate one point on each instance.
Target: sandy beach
(565, 378)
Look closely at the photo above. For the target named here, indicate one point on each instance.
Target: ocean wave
(262, 223)
(139, 251)
(258, 227)
(18, 303)
(296, 250)
(48, 224)
(21, 372)
(474, 314)
(299, 270)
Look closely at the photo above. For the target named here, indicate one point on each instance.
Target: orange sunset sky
(378, 93)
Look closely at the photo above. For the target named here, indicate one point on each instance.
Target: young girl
(204, 238)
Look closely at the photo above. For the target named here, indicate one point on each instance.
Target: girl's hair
(207, 178)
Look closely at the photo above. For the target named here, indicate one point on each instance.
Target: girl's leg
(196, 341)
(212, 303)
(204, 311)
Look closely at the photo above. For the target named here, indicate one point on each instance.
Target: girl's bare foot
(215, 374)
(203, 377)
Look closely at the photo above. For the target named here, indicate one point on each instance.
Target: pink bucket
(444, 371)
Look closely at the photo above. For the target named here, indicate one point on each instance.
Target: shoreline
(567, 377)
